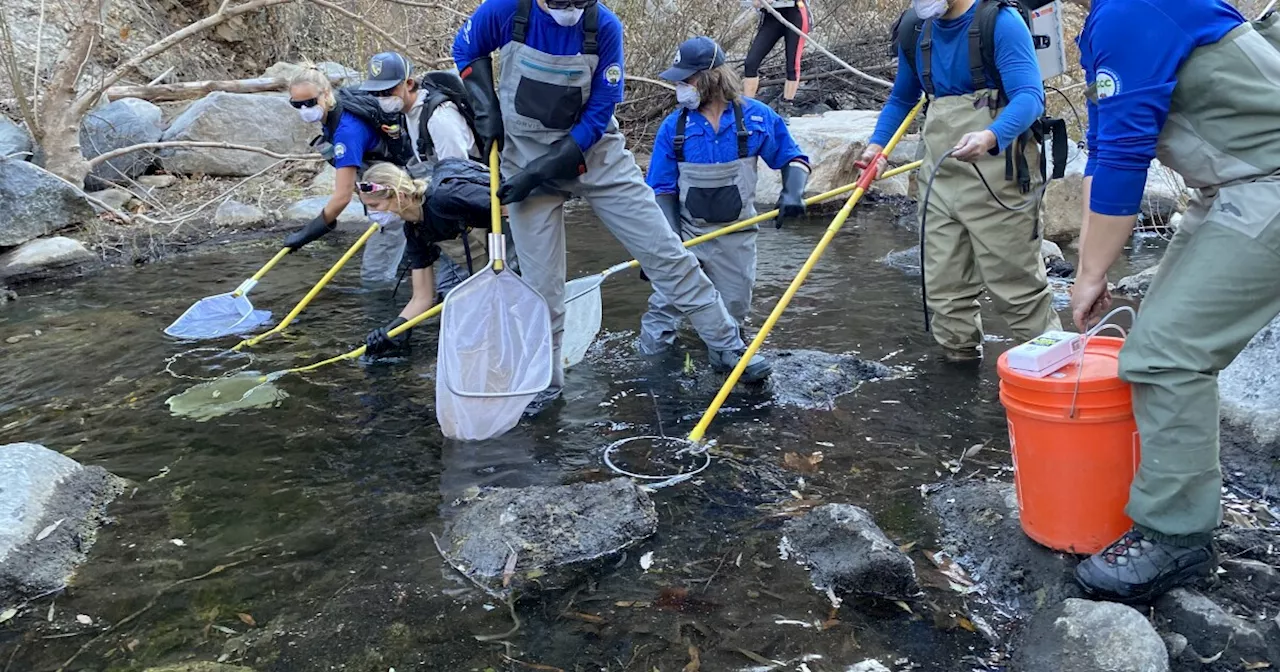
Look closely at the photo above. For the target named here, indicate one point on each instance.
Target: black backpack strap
(743, 134)
(590, 26)
(926, 57)
(1058, 129)
(520, 22)
(678, 142)
(977, 31)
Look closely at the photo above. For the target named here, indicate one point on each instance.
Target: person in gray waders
(409, 122)
(703, 171)
(1198, 86)
(983, 114)
(445, 220)
(553, 117)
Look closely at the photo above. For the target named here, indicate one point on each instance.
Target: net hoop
(687, 448)
(173, 359)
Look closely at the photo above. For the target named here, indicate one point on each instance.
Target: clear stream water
(322, 506)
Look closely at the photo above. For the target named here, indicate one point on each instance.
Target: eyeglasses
(566, 4)
(371, 187)
(299, 104)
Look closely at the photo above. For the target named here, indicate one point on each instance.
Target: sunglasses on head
(566, 4)
(299, 104)
(370, 187)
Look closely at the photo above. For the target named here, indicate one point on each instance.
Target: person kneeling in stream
(450, 212)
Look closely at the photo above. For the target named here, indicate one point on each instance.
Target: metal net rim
(173, 359)
(690, 448)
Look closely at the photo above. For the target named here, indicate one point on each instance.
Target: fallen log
(157, 93)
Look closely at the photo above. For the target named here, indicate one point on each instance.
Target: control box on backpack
(1046, 32)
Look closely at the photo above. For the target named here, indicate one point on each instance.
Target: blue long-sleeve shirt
(489, 29)
(768, 139)
(1131, 50)
(1015, 60)
(352, 139)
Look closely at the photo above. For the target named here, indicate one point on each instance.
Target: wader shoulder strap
(926, 57)
(977, 71)
(741, 124)
(520, 22)
(590, 26)
(678, 142)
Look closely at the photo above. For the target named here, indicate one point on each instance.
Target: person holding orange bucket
(1161, 89)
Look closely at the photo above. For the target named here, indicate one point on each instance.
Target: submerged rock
(1086, 636)
(43, 258)
(1057, 268)
(814, 379)
(553, 530)
(847, 553)
(1209, 629)
(870, 665)
(50, 510)
(1137, 284)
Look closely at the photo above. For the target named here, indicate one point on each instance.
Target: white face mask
(391, 104)
(687, 96)
(929, 9)
(566, 17)
(311, 114)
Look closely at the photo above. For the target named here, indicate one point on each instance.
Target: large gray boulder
(34, 203)
(238, 118)
(352, 217)
(44, 258)
(50, 510)
(14, 140)
(812, 379)
(236, 215)
(120, 124)
(1249, 388)
(1210, 629)
(552, 530)
(1085, 636)
(847, 553)
(1136, 285)
(833, 141)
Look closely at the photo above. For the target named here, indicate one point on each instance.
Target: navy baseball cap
(386, 71)
(694, 56)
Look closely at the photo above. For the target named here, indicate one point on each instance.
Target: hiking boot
(653, 346)
(724, 361)
(962, 356)
(541, 401)
(1135, 569)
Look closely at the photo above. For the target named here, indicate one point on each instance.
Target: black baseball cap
(694, 56)
(386, 71)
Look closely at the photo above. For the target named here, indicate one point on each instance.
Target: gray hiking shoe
(1135, 569)
(724, 361)
(541, 401)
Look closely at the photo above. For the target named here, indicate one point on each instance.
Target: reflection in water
(327, 496)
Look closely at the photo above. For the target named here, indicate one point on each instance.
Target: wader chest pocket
(715, 205)
(554, 105)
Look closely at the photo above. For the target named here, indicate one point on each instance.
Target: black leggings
(770, 31)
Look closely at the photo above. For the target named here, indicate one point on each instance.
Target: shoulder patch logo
(1107, 83)
(613, 74)
(339, 150)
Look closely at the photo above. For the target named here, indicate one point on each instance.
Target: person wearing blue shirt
(703, 172)
(1196, 85)
(981, 114)
(552, 116)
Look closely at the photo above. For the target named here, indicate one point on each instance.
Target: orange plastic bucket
(1073, 471)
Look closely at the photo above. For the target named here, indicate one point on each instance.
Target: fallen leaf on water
(806, 463)
(646, 561)
(973, 450)
(177, 542)
(49, 530)
(580, 616)
(510, 569)
(8, 614)
(84, 619)
(133, 644)
(1255, 666)
(906, 548)
(905, 607)
(247, 620)
(225, 630)
(694, 663)
(966, 624)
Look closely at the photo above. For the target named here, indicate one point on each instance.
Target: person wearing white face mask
(703, 172)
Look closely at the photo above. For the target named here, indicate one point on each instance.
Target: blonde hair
(719, 83)
(399, 182)
(313, 75)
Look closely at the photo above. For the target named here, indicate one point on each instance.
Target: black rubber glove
(478, 80)
(312, 231)
(562, 161)
(791, 200)
(378, 342)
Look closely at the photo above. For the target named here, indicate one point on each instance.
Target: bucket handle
(1101, 326)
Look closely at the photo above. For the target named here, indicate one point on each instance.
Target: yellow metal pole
(333, 271)
(495, 208)
(700, 429)
(284, 252)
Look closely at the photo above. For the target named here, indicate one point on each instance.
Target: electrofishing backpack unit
(442, 86)
(393, 142)
(1043, 19)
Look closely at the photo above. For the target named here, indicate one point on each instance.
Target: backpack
(364, 106)
(441, 86)
(908, 31)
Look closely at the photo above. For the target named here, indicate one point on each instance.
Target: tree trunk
(59, 129)
(189, 90)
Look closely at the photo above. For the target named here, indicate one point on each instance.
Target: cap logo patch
(375, 67)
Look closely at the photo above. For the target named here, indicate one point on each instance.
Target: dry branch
(431, 5)
(189, 90)
(107, 156)
(870, 78)
(366, 23)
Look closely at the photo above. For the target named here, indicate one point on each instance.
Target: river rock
(352, 217)
(812, 379)
(119, 124)
(239, 118)
(833, 142)
(1086, 636)
(116, 198)
(43, 258)
(869, 665)
(553, 529)
(34, 203)
(14, 140)
(1210, 629)
(285, 70)
(1136, 285)
(323, 182)
(156, 181)
(847, 553)
(907, 261)
(237, 215)
(50, 510)
(1165, 193)
(1249, 389)
(1063, 210)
